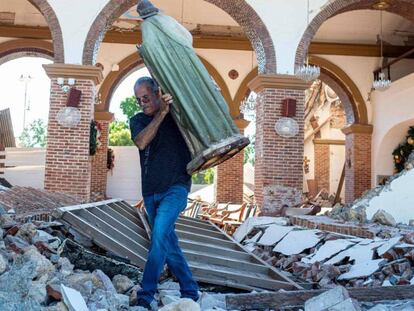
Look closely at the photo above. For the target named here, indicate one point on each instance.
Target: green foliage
(119, 134)
(249, 151)
(130, 107)
(204, 178)
(403, 151)
(34, 135)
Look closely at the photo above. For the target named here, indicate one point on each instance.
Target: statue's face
(147, 99)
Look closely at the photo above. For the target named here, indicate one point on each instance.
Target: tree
(119, 134)
(249, 151)
(130, 107)
(204, 178)
(34, 135)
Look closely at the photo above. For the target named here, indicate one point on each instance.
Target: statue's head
(146, 9)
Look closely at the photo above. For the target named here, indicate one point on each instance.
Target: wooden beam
(217, 42)
(296, 299)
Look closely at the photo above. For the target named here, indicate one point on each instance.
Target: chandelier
(248, 105)
(381, 83)
(308, 72)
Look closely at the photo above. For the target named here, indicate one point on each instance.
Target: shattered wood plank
(212, 255)
(296, 299)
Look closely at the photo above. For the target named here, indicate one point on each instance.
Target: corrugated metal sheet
(6, 129)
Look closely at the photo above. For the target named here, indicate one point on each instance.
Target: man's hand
(166, 101)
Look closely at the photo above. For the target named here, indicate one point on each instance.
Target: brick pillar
(279, 161)
(68, 165)
(229, 175)
(2, 158)
(321, 167)
(99, 160)
(357, 160)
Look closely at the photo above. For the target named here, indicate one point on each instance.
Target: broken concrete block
(183, 304)
(327, 299)
(101, 280)
(73, 299)
(273, 234)
(346, 305)
(54, 291)
(295, 242)
(329, 249)
(384, 218)
(3, 264)
(387, 245)
(361, 270)
(122, 283)
(252, 222)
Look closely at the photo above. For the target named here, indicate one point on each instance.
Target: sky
(12, 91)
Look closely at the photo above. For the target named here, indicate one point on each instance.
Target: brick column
(321, 168)
(2, 157)
(99, 160)
(68, 165)
(357, 160)
(279, 161)
(229, 175)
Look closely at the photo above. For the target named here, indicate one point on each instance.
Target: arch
(133, 61)
(345, 88)
(239, 10)
(52, 21)
(243, 91)
(25, 47)
(404, 8)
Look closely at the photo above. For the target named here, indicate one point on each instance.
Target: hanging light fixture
(381, 83)
(248, 105)
(308, 72)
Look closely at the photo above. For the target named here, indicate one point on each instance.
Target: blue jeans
(163, 210)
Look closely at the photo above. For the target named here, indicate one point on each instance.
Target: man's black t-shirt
(164, 160)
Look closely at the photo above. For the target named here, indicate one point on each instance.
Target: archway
(17, 48)
(52, 21)
(404, 8)
(239, 10)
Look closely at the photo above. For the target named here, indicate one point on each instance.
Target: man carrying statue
(186, 130)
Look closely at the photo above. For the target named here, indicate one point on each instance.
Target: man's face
(147, 99)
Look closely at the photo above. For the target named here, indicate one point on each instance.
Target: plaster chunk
(183, 304)
(73, 299)
(327, 299)
(252, 222)
(359, 253)
(388, 245)
(346, 305)
(295, 242)
(273, 234)
(361, 270)
(326, 251)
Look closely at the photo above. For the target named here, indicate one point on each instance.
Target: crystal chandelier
(248, 105)
(381, 83)
(308, 72)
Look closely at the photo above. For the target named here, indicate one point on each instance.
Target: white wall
(125, 179)
(392, 115)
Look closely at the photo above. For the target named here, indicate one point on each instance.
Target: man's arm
(147, 134)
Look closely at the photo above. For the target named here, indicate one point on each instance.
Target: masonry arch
(404, 8)
(52, 21)
(132, 62)
(239, 10)
(13, 49)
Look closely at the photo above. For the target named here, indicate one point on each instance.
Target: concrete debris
(273, 234)
(252, 222)
(327, 299)
(296, 242)
(329, 249)
(384, 218)
(73, 299)
(361, 270)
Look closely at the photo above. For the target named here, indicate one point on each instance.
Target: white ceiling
(363, 26)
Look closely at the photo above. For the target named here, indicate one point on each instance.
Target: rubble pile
(325, 259)
(36, 275)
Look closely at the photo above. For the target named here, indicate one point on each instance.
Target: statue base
(217, 153)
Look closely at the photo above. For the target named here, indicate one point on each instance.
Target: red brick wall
(229, 180)
(358, 165)
(68, 167)
(99, 161)
(278, 166)
(321, 169)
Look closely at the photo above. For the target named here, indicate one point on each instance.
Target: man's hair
(149, 82)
